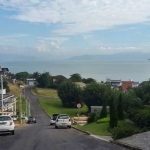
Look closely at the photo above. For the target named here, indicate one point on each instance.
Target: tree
(103, 113)
(88, 80)
(70, 94)
(113, 114)
(22, 76)
(36, 75)
(75, 77)
(57, 80)
(94, 94)
(44, 80)
(120, 110)
(5, 86)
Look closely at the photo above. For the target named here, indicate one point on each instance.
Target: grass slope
(55, 106)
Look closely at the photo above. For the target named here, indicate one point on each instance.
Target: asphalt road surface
(42, 136)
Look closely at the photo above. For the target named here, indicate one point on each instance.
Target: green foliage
(122, 132)
(130, 100)
(94, 94)
(22, 76)
(140, 116)
(120, 110)
(5, 86)
(75, 77)
(93, 117)
(44, 80)
(88, 80)
(113, 114)
(70, 94)
(36, 75)
(103, 120)
(58, 80)
(103, 113)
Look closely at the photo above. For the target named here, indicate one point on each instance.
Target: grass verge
(55, 106)
(97, 129)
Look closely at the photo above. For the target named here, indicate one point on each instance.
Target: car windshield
(4, 118)
(63, 117)
(31, 117)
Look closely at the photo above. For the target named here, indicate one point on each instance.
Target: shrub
(103, 120)
(124, 129)
(93, 117)
(141, 117)
(122, 132)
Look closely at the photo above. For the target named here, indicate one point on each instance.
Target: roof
(5, 96)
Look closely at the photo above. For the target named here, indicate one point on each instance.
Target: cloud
(80, 16)
(112, 50)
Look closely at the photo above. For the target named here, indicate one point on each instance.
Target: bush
(124, 129)
(122, 132)
(103, 120)
(141, 117)
(93, 117)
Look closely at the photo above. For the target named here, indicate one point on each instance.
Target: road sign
(78, 105)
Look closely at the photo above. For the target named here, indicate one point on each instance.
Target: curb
(126, 145)
(86, 132)
(110, 141)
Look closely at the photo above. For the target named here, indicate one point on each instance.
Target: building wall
(126, 85)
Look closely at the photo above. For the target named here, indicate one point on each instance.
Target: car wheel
(56, 127)
(50, 123)
(69, 127)
(35, 122)
(13, 132)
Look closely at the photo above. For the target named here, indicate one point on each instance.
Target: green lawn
(97, 129)
(55, 106)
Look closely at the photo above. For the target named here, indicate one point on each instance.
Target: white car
(53, 119)
(63, 120)
(7, 124)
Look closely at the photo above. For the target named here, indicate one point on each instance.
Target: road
(42, 136)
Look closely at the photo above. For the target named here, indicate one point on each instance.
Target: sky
(58, 29)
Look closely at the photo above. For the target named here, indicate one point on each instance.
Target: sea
(138, 71)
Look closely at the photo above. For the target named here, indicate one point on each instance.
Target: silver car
(7, 124)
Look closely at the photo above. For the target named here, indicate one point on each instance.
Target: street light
(2, 73)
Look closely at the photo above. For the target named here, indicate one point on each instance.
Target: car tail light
(69, 120)
(10, 123)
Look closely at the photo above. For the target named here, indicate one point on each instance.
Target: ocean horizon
(99, 70)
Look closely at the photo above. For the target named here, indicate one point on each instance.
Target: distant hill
(113, 57)
(13, 57)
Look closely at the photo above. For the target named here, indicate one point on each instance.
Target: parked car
(53, 119)
(63, 120)
(31, 119)
(7, 124)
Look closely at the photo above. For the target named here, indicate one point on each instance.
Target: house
(128, 84)
(31, 81)
(9, 103)
(80, 84)
(114, 83)
(98, 108)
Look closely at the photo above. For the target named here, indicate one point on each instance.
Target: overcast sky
(66, 28)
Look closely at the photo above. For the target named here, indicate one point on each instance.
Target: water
(98, 70)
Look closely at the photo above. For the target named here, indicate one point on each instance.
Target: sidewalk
(136, 142)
